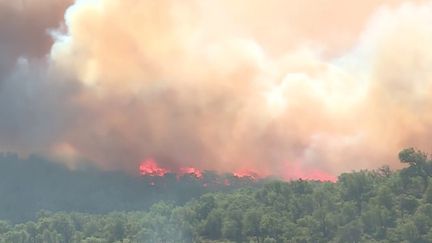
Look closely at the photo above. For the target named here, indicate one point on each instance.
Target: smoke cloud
(286, 88)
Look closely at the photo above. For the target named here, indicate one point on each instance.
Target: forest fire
(247, 173)
(319, 176)
(151, 168)
(190, 171)
(294, 171)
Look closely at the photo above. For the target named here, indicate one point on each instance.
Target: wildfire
(191, 171)
(247, 173)
(295, 171)
(320, 176)
(150, 168)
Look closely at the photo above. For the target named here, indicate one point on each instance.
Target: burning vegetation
(150, 168)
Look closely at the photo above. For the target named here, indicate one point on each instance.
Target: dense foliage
(363, 206)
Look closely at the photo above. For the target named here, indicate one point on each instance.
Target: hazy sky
(283, 87)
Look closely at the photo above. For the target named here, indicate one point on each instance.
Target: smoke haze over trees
(215, 121)
(28, 186)
(363, 206)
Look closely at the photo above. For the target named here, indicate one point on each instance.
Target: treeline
(365, 206)
(30, 185)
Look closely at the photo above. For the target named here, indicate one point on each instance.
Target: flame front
(191, 171)
(247, 173)
(151, 168)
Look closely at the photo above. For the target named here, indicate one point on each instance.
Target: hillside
(30, 185)
(363, 206)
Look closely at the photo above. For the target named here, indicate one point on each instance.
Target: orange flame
(247, 173)
(191, 171)
(295, 171)
(150, 168)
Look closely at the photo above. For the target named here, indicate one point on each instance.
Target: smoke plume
(286, 88)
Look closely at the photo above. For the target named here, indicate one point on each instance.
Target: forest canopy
(362, 206)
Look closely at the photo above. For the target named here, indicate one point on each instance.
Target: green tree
(251, 223)
(412, 157)
(212, 225)
(350, 233)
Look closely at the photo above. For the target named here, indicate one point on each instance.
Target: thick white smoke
(216, 85)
